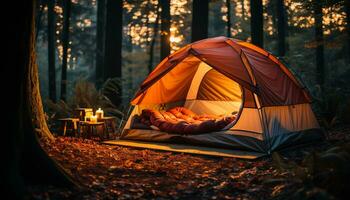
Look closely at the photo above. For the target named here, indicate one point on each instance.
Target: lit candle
(88, 115)
(93, 118)
(99, 114)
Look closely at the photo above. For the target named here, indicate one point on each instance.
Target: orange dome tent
(221, 76)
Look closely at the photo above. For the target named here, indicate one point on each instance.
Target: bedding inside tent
(209, 101)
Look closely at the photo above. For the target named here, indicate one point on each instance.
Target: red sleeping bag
(180, 120)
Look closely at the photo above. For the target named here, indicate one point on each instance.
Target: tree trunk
(153, 42)
(38, 18)
(281, 28)
(51, 49)
(25, 160)
(200, 12)
(165, 29)
(113, 43)
(228, 23)
(256, 22)
(65, 41)
(319, 43)
(243, 11)
(100, 41)
(347, 10)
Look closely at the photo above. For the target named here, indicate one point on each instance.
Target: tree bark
(153, 42)
(319, 43)
(100, 41)
(228, 23)
(113, 43)
(347, 10)
(243, 11)
(281, 28)
(65, 41)
(38, 18)
(25, 161)
(51, 49)
(256, 22)
(165, 29)
(200, 12)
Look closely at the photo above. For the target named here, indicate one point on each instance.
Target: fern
(85, 96)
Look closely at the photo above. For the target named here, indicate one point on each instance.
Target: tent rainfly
(221, 76)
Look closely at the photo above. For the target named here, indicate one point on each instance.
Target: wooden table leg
(105, 129)
(91, 131)
(64, 128)
(75, 128)
(84, 131)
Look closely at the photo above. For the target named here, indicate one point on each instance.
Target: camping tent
(222, 76)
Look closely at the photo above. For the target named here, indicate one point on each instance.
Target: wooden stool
(110, 124)
(87, 129)
(69, 124)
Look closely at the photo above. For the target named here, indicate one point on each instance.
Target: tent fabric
(202, 70)
(237, 140)
(250, 121)
(213, 107)
(224, 76)
(248, 99)
(173, 86)
(215, 86)
(214, 139)
(225, 56)
(273, 81)
(286, 119)
(185, 148)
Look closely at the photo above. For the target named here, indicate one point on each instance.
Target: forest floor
(114, 172)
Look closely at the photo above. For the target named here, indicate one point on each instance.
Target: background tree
(65, 41)
(51, 48)
(25, 161)
(153, 41)
(200, 9)
(317, 8)
(228, 23)
(113, 44)
(256, 22)
(165, 28)
(243, 8)
(347, 11)
(38, 17)
(281, 28)
(100, 41)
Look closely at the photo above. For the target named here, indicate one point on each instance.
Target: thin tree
(51, 49)
(347, 11)
(38, 23)
(113, 44)
(100, 42)
(228, 23)
(153, 42)
(256, 22)
(243, 9)
(65, 42)
(317, 7)
(281, 28)
(24, 159)
(165, 29)
(200, 9)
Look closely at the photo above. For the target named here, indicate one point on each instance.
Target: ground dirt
(113, 172)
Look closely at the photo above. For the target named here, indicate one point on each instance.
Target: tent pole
(122, 119)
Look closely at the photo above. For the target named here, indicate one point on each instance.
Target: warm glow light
(141, 28)
(93, 118)
(99, 113)
(174, 39)
(333, 17)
